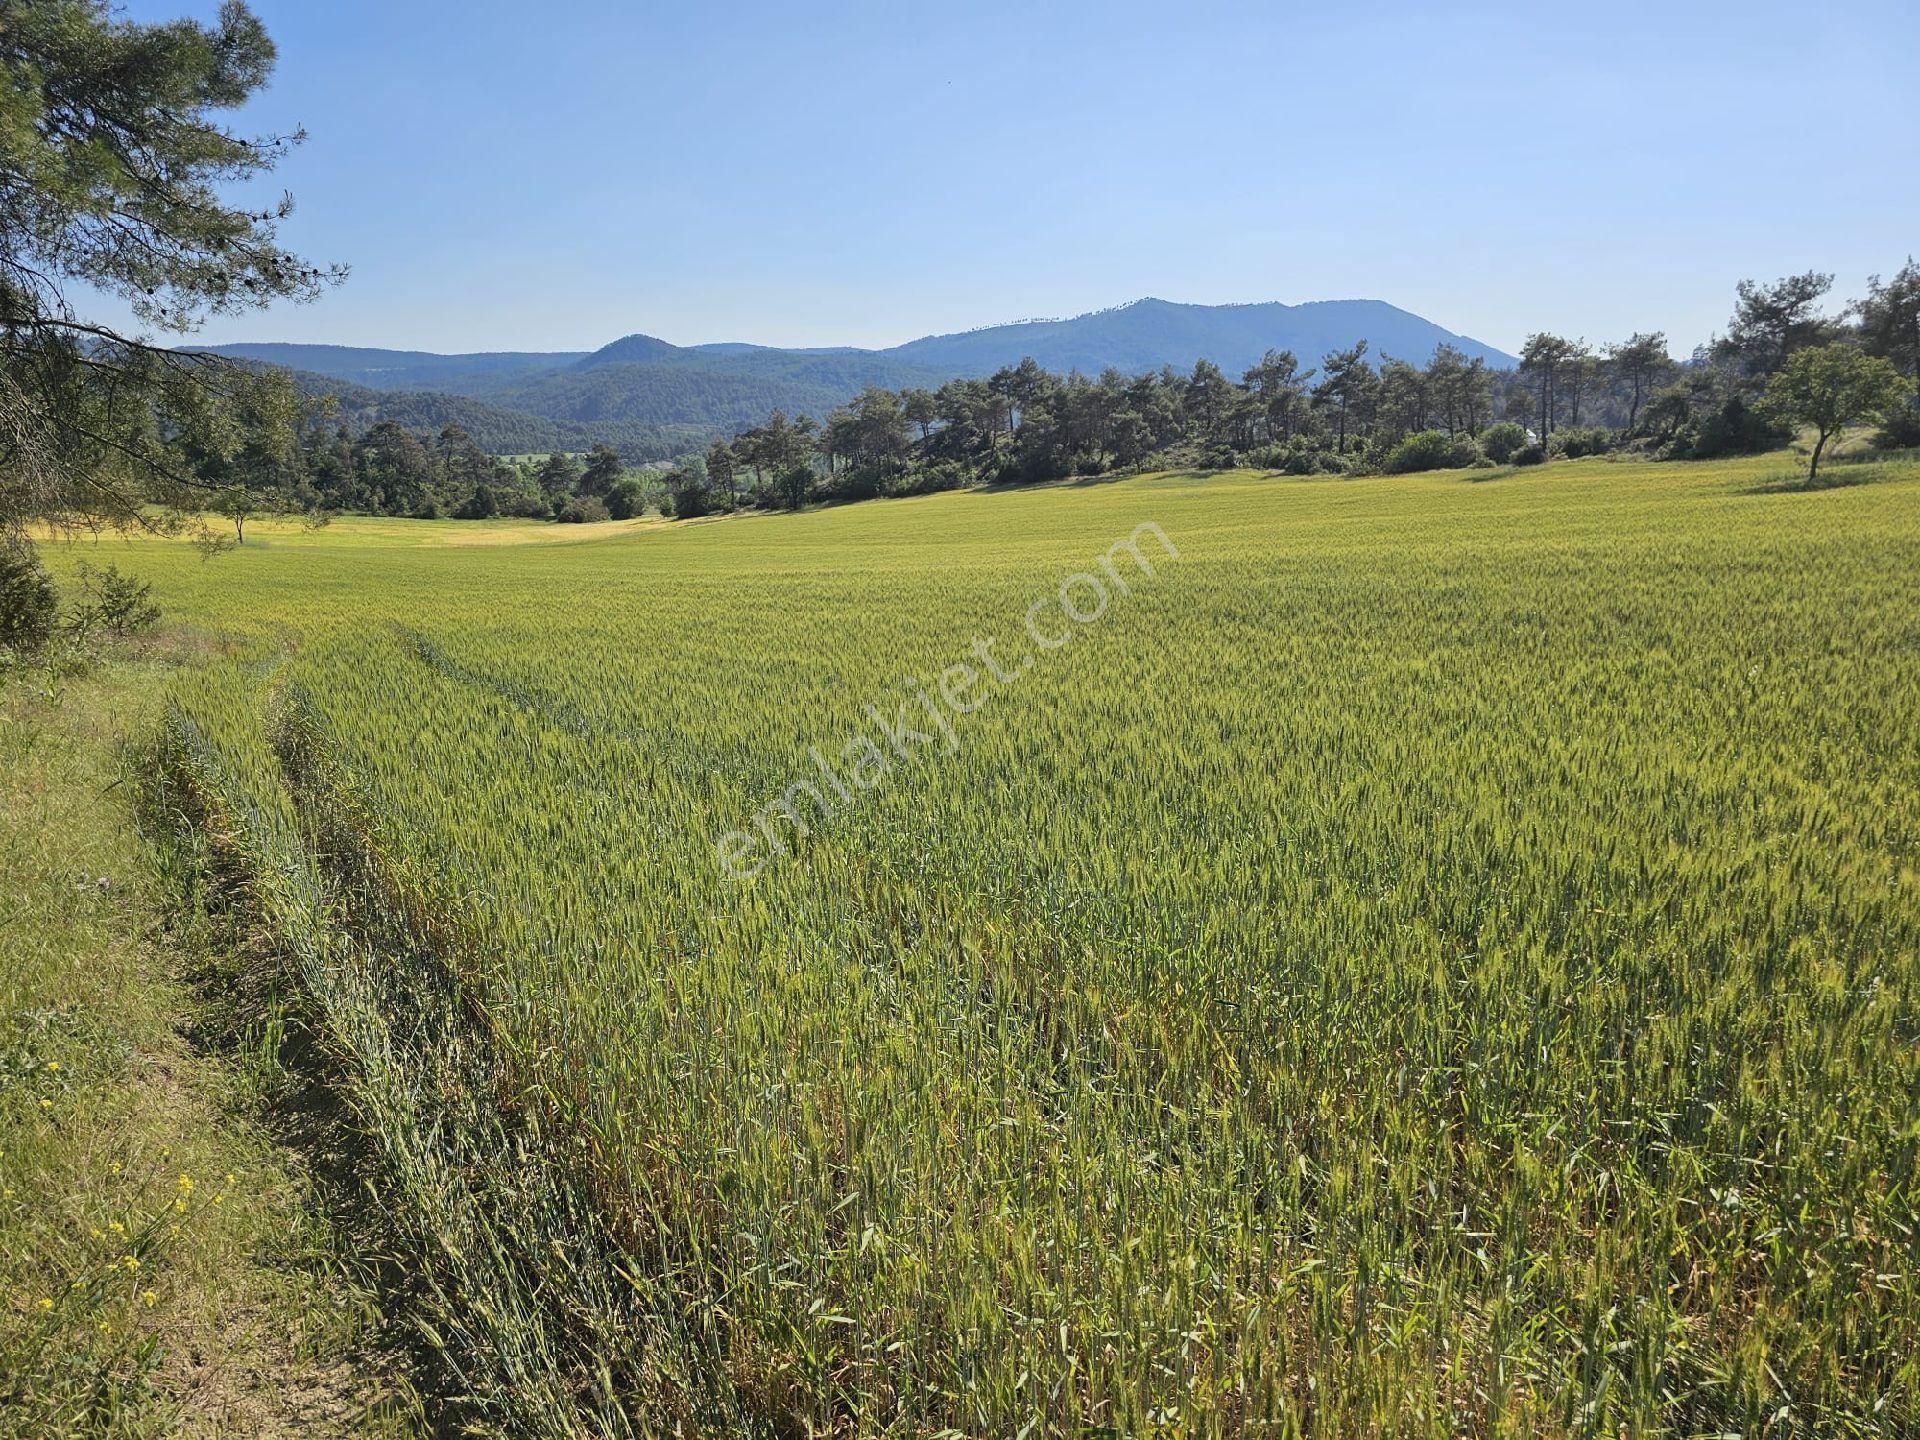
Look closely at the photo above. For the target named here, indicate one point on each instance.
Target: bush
(1576, 441)
(29, 608)
(1736, 428)
(1431, 450)
(118, 604)
(687, 495)
(524, 505)
(941, 475)
(1296, 457)
(627, 499)
(863, 482)
(793, 486)
(583, 510)
(1503, 441)
(1901, 430)
(1531, 454)
(483, 504)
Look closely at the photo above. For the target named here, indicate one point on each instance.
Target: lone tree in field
(1830, 387)
(110, 165)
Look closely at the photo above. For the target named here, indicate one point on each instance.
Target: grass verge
(162, 1271)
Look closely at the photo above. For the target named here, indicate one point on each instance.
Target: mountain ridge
(379, 358)
(720, 387)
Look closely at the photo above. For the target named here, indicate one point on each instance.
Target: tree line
(102, 429)
(1351, 413)
(1354, 413)
(390, 470)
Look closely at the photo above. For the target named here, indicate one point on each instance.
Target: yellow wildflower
(46, 1304)
(147, 1298)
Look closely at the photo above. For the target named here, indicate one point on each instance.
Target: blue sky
(552, 176)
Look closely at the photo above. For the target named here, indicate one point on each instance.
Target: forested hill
(403, 369)
(641, 393)
(725, 389)
(496, 429)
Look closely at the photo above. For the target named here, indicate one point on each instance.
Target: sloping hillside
(497, 429)
(403, 369)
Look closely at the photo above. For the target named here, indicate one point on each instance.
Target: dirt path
(162, 1270)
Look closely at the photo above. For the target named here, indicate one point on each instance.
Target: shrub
(119, 604)
(1297, 457)
(1736, 428)
(1503, 441)
(864, 482)
(1533, 453)
(687, 495)
(583, 510)
(29, 608)
(794, 485)
(523, 505)
(942, 475)
(627, 499)
(1576, 441)
(1431, 450)
(483, 504)
(1901, 430)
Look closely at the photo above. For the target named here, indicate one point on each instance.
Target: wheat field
(1384, 956)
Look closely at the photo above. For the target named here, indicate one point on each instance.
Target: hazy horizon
(817, 345)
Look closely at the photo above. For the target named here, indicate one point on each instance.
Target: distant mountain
(646, 381)
(1150, 333)
(652, 392)
(645, 350)
(403, 369)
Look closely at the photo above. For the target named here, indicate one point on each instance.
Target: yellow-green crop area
(1439, 954)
